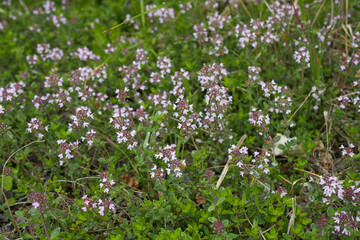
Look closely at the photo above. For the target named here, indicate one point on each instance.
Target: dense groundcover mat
(227, 119)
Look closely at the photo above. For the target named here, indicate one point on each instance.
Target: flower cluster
(219, 227)
(160, 102)
(253, 75)
(316, 92)
(213, 4)
(343, 101)
(211, 75)
(48, 7)
(322, 221)
(80, 119)
(281, 102)
(267, 31)
(343, 222)
(167, 155)
(39, 101)
(84, 54)
(89, 137)
(155, 77)
(45, 52)
(105, 205)
(200, 33)
(122, 94)
(136, 23)
(62, 98)
(101, 205)
(218, 99)
(37, 127)
(257, 118)
(162, 15)
(347, 62)
(216, 21)
(218, 102)
(347, 150)
(38, 200)
(105, 182)
(185, 7)
(164, 64)
(2, 25)
(331, 186)
(177, 81)
(238, 156)
(189, 120)
(35, 28)
(157, 173)
(260, 162)
(208, 175)
(269, 88)
(110, 49)
(282, 191)
(141, 57)
(3, 127)
(218, 48)
(57, 20)
(79, 75)
(32, 59)
(65, 149)
(352, 195)
(131, 77)
(53, 81)
(121, 120)
(140, 114)
(8, 95)
(215, 24)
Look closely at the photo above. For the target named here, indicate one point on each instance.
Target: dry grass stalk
(226, 168)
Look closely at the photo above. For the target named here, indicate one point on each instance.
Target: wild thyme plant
(124, 119)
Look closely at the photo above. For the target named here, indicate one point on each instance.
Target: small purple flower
(38, 200)
(219, 227)
(282, 191)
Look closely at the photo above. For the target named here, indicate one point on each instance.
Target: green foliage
(58, 185)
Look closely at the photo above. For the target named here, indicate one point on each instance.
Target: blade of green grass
(143, 14)
(142, 9)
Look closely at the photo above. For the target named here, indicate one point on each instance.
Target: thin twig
(317, 13)
(226, 168)
(2, 182)
(307, 172)
(300, 106)
(346, 22)
(12, 217)
(64, 180)
(245, 8)
(297, 14)
(45, 227)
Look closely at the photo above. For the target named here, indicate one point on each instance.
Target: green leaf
(220, 201)
(81, 217)
(306, 221)
(211, 208)
(297, 229)
(232, 236)
(55, 233)
(212, 219)
(273, 234)
(8, 181)
(25, 235)
(20, 213)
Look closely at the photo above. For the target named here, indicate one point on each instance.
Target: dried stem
(45, 227)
